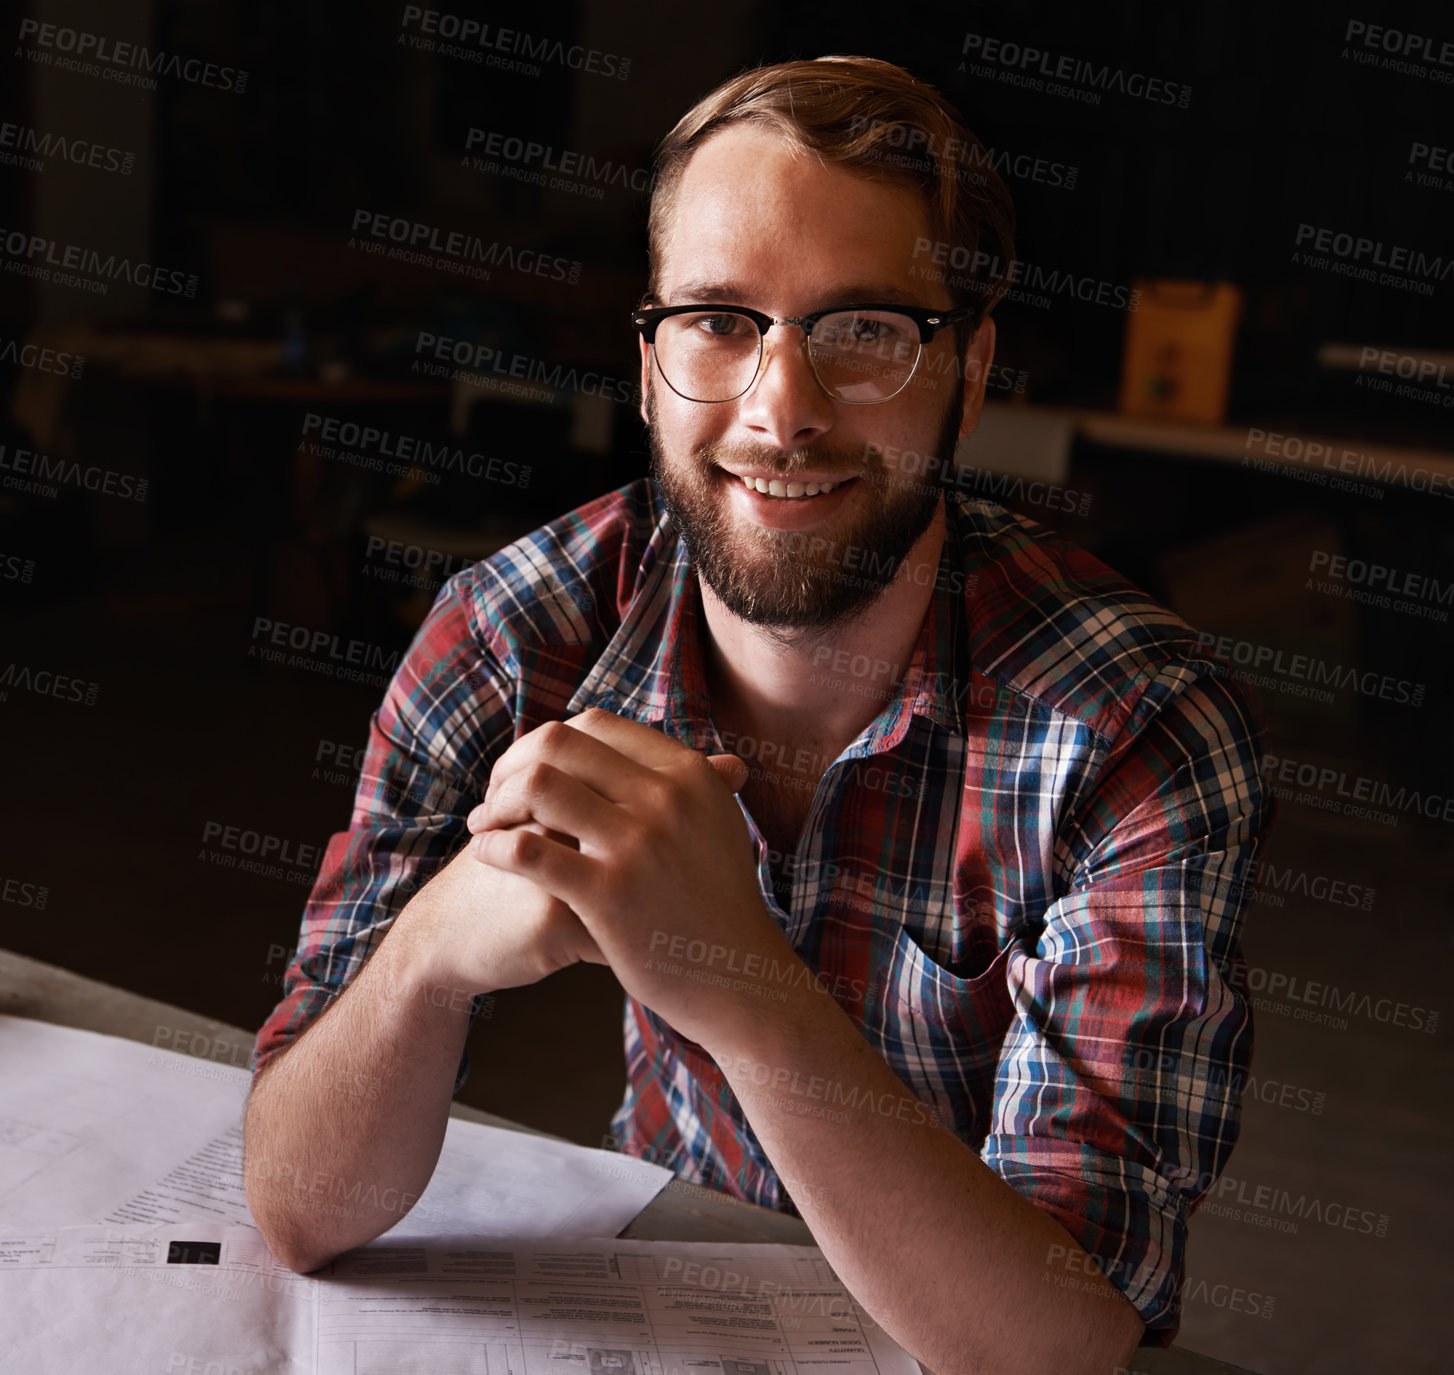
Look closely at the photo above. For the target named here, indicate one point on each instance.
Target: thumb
(731, 769)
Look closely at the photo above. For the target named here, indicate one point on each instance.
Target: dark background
(155, 601)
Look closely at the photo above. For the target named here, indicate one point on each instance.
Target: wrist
(767, 1019)
(410, 969)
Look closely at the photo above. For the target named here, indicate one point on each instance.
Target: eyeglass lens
(857, 355)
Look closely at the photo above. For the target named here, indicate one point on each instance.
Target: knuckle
(524, 846)
(552, 735)
(641, 840)
(536, 781)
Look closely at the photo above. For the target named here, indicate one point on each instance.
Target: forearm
(344, 1129)
(947, 1257)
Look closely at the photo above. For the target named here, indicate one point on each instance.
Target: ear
(977, 360)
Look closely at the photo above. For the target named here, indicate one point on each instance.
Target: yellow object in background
(1178, 360)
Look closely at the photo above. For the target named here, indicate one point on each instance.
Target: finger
(554, 799)
(648, 746)
(545, 831)
(651, 747)
(615, 776)
(562, 872)
(732, 769)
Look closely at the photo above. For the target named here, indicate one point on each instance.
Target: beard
(791, 583)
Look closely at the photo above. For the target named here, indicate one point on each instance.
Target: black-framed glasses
(860, 354)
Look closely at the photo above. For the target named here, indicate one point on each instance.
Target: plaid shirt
(1023, 880)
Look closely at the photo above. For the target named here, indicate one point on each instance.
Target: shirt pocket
(940, 1033)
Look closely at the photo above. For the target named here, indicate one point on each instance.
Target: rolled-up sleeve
(446, 716)
(1118, 1089)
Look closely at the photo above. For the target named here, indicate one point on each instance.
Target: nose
(785, 406)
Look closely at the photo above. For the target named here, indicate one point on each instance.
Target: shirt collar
(652, 669)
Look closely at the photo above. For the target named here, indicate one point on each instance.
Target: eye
(721, 326)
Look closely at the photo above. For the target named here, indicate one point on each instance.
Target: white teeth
(773, 487)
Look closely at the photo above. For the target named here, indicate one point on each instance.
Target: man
(958, 963)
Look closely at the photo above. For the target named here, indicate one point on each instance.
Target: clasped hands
(642, 838)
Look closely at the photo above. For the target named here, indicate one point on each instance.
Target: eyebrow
(727, 294)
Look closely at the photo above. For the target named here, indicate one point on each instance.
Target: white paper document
(147, 1299)
(98, 1129)
(207, 1298)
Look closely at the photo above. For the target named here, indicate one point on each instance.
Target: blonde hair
(870, 117)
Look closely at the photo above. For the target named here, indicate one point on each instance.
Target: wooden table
(680, 1212)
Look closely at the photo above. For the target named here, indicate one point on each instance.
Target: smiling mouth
(790, 489)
